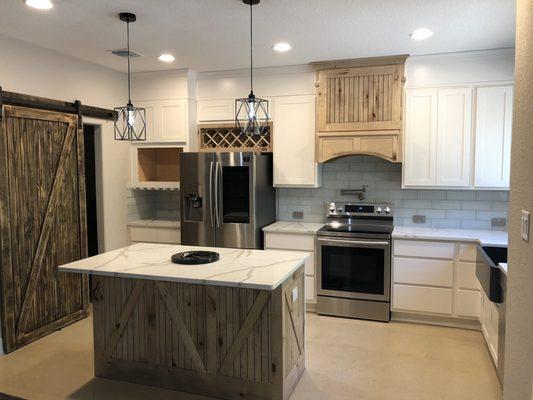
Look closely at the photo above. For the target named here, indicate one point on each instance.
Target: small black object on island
(195, 257)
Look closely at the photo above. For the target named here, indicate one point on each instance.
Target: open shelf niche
(156, 168)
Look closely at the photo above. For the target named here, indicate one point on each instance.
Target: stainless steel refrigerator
(226, 199)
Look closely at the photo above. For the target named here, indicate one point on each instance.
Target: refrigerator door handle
(218, 184)
(211, 194)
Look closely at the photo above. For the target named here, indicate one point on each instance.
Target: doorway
(90, 189)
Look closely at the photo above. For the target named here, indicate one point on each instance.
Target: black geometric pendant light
(130, 121)
(251, 113)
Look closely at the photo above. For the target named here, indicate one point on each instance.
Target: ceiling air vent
(124, 53)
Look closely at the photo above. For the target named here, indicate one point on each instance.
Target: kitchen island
(232, 329)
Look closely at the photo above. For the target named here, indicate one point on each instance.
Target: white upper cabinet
(216, 110)
(438, 137)
(493, 136)
(454, 121)
(420, 138)
(294, 142)
(166, 120)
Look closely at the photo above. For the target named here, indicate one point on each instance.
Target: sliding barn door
(42, 223)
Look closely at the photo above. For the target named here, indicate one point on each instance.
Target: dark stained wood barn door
(42, 223)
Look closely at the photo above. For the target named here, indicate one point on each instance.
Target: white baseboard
(452, 322)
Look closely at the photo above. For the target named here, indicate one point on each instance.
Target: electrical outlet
(419, 219)
(294, 294)
(498, 222)
(524, 218)
(298, 214)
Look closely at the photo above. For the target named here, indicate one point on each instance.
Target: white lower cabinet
(297, 242)
(154, 234)
(422, 299)
(489, 320)
(435, 278)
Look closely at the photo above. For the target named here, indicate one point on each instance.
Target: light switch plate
(294, 294)
(524, 218)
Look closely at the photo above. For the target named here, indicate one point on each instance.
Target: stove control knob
(332, 207)
(378, 210)
(387, 209)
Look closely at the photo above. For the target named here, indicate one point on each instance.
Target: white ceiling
(208, 35)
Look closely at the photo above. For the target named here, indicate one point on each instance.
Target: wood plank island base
(233, 329)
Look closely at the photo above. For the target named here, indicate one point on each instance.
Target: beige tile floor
(346, 359)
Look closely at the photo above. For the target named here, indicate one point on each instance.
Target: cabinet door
(493, 136)
(294, 142)
(173, 117)
(216, 110)
(454, 122)
(420, 137)
(150, 108)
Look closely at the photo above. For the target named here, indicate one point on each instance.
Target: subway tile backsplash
(466, 209)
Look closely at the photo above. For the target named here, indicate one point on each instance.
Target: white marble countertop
(254, 269)
(503, 267)
(308, 228)
(154, 223)
(484, 237)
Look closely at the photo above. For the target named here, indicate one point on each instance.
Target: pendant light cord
(129, 79)
(251, 50)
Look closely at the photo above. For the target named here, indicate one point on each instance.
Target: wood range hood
(359, 108)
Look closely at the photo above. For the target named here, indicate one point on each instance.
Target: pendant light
(251, 116)
(130, 121)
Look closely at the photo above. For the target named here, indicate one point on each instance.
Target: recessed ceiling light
(282, 47)
(421, 34)
(39, 4)
(166, 57)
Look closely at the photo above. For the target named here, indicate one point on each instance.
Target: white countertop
(308, 228)
(154, 223)
(254, 269)
(484, 237)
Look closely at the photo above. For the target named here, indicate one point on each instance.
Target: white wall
(518, 378)
(460, 68)
(268, 82)
(28, 69)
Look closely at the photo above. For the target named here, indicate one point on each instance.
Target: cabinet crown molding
(361, 62)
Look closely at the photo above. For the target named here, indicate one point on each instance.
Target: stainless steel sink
(487, 271)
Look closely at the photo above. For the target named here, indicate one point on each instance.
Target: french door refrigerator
(226, 199)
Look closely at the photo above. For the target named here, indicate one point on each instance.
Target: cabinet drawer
(417, 248)
(468, 303)
(466, 275)
(289, 242)
(422, 299)
(154, 235)
(310, 289)
(467, 252)
(423, 272)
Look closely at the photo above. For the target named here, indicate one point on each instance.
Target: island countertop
(253, 269)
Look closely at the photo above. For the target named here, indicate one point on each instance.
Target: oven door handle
(354, 242)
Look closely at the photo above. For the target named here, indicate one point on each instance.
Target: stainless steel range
(354, 261)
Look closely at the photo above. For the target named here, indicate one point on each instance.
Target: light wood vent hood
(359, 107)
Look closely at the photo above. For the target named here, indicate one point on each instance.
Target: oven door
(354, 268)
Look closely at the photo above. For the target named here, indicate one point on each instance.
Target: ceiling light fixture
(166, 57)
(251, 117)
(39, 4)
(421, 34)
(282, 47)
(130, 121)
